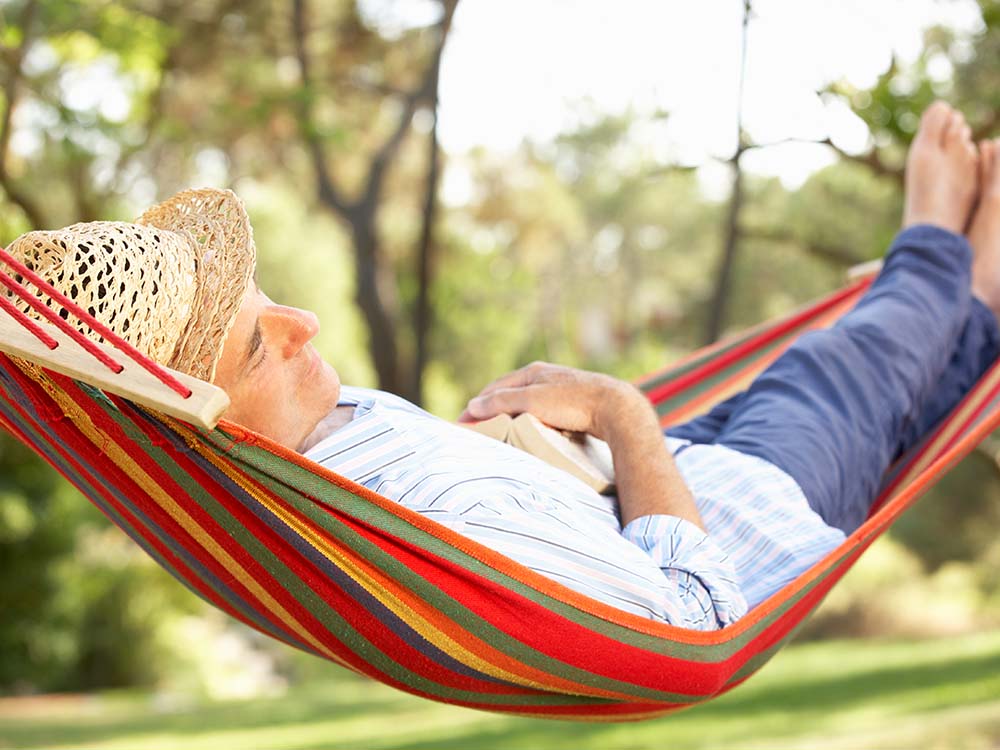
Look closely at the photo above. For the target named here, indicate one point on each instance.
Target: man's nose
(295, 328)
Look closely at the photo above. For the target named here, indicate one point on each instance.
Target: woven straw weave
(138, 281)
(171, 284)
(217, 223)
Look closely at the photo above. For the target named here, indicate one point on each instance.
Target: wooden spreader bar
(204, 407)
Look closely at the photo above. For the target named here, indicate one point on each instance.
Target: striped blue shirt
(761, 531)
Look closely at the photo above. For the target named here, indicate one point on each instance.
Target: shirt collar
(362, 445)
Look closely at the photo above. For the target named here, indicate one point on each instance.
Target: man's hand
(648, 482)
(562, 397)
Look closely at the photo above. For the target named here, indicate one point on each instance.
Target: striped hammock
(325, 565)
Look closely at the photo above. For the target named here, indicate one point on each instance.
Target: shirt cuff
(687, 556)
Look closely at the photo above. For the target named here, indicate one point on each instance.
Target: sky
(516, 69)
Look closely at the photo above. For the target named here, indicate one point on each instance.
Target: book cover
(584, 456)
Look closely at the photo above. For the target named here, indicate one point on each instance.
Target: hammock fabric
(327, 566)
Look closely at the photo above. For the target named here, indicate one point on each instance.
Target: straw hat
(169, 284)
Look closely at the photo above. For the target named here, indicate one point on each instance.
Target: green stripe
(259, 461)
(88, 490)
(329, 618)
(369, 514)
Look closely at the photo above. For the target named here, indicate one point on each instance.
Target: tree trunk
(369, 295)
(424, 313)
(723, 275)
(376, 290)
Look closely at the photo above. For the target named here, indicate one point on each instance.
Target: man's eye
(260, 359)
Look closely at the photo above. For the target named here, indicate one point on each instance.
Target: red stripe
(159, 372)
(963, 429)
(564, 640)
(122, 482)
(26, 322)
(722, 361)
(69, 436)
(174, 530)
(365, 622)
(551, 634)
(46, 312)
(790, 619)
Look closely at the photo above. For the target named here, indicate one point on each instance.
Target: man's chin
(308, 441)
(319, 430)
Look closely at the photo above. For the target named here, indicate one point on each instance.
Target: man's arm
(658, 513)
(646, 476)
(647, 479)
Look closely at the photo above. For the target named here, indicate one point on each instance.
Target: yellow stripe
(371, 578)
(124, 462)
(598, 718)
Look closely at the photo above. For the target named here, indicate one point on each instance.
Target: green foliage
(959, 518)
(483, 304)
(841, 695)
(74, 590)
(36, 527)
(587, 250)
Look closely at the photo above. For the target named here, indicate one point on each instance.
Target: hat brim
(217, 224)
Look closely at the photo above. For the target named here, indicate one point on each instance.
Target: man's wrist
(623, 408)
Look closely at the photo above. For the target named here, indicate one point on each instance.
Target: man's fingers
(502, 401)
(516, 379)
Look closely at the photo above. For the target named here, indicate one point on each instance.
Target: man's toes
(951, 135)
(987, 155)
(933, 122)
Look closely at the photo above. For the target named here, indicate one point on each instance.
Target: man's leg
(834, 409)
(977, 347)
(705, 427)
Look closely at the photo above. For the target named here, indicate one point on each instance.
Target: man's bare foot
(984, 230)
(941, 168)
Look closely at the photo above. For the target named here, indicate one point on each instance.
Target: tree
(376, 292)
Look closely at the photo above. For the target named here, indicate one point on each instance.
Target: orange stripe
(743, 377)
(438, 629)
(483, 554)
(955, 425)
(121, 458)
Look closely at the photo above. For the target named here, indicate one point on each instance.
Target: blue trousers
(841, 404)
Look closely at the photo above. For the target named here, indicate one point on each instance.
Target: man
(708, 522)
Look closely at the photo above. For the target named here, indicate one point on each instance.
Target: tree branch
(871, 159)
(835, 254)
(384, 154)
(425, 260)
(328, 191)
(731, 240)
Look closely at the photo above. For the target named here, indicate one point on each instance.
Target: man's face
(277, 383)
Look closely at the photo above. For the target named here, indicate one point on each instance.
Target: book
(585, 457)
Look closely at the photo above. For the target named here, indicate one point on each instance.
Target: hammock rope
(325, 565)
(161, 373)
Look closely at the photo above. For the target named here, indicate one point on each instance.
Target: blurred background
(458, 188)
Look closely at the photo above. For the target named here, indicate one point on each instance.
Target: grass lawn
(863, 694)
